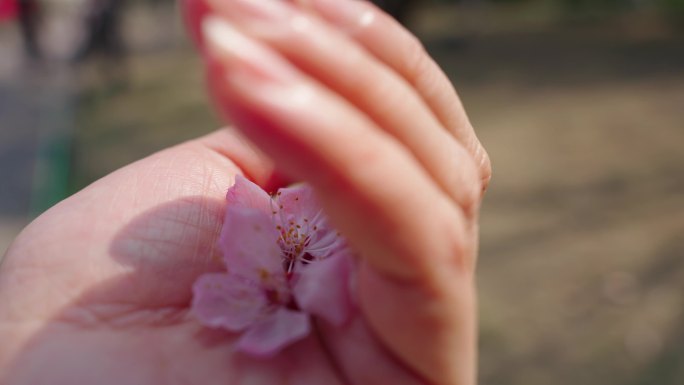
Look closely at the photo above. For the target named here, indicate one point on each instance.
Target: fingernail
(238, 52)
(349, 15)
(266, 10)
(244, 68)
(264, 18)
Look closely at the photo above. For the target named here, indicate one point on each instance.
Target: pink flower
(284, 263)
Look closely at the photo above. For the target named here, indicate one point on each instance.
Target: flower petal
(300, 206)
(245, 193)
(223, 300)
(324, 242)
(298, 202)
(323, 288)
(274, 333)
(249, 243)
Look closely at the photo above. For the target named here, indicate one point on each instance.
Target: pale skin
(97, 289)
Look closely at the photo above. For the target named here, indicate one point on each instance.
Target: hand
(97, 289)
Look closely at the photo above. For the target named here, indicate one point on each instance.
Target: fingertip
(349, 16)
(484, 165)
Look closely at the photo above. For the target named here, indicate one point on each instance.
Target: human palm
(98, 289)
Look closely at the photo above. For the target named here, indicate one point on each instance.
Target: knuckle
(459, 248)
(464, 182)
(485, 166)
(470, 198)
(424, 74)
(416, 59)
(479, 156)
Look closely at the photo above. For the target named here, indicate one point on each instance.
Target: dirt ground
(582, 260)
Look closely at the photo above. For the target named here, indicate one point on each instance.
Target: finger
(353, 346)
(316, 135)
(405, 227)
(434, 333)
(376, 90)
(393, 45)
(252, 162)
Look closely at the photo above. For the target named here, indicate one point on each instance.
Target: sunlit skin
(97, 290)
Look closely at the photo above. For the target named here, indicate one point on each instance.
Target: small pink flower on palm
(284, 263)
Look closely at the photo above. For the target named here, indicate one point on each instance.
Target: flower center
(302, 240)
(293, 241)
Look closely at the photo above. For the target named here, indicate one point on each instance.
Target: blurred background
(579, 102)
